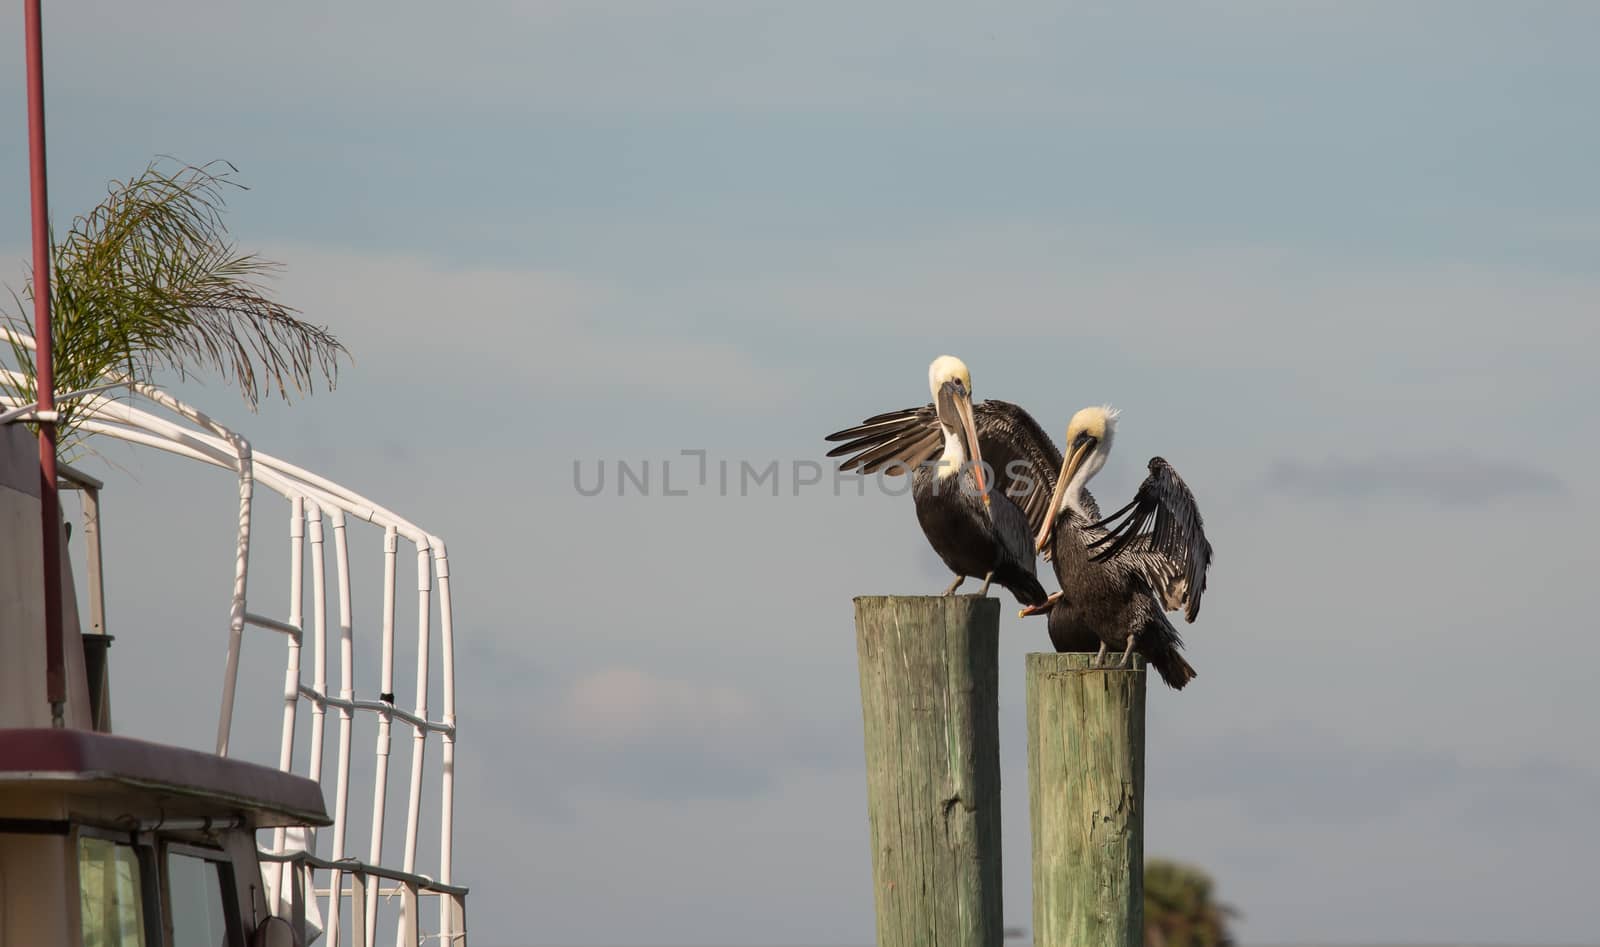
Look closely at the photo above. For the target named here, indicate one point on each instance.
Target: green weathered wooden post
(930, 710)
(1086, 801)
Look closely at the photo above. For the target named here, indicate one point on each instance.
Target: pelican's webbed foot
(1099, 657)
(955, 585)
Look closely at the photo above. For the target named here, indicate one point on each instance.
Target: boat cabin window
(111, 882)
(195, 884)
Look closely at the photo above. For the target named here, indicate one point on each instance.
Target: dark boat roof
(166, 780)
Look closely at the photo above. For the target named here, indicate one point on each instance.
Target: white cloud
(525, 330)
(621, 706)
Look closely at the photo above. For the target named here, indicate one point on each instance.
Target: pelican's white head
(948, 368)
(951, 386)
(1098, 422)
(1089, 436)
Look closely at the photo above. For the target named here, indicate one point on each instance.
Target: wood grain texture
(930, 716)
(1086, 801)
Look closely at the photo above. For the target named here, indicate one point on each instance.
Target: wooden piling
(1086, 801)
(930, 713)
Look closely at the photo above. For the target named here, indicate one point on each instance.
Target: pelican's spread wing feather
(1021, 460)
(1174, 555)
(910, 436)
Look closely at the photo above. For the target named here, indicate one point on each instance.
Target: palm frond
(150, 280)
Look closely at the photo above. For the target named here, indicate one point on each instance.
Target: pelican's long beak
(964, 408)
(1069, 468)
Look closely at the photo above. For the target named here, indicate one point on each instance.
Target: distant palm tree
(1179, 910)
(149, 279)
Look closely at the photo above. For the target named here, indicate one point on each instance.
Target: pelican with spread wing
(1119, 574)
(981, 477)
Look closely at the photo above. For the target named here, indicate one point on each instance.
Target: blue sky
(1335, 261)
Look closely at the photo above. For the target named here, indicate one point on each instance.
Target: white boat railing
(316, 506)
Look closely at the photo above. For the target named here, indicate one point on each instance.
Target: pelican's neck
(1076, 496)
(954, 456)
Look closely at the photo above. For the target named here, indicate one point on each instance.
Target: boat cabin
(109, 841)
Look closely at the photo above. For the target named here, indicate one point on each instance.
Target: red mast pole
(49, 500)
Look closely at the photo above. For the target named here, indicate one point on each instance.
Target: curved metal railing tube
(419, 741)
(146, 439)
(217, 448)
(391, 549)
(291, 674)
(241, 580)
(30, 410)
(319, 630)
(347, 695)
(447, 752)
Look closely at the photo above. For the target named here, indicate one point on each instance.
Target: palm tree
(1179, 910)
(149, 280)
